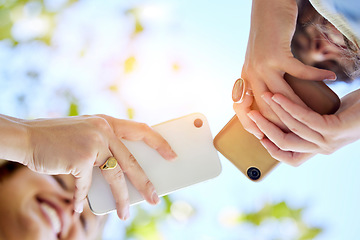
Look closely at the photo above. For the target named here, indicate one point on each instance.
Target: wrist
(14, 140)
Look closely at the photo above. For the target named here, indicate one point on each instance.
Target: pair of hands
(289, 130)
(74, 145)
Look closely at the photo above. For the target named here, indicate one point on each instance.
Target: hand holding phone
(197, 161)
(246, 152)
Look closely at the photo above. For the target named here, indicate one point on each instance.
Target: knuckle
(294, 130)
(148, 184)
(144, 127)
(94, 137)
(100, 123)
(328, 151)
(116, 176)
(120, 202)
(131, 163)
(327, 148)
(79, 192)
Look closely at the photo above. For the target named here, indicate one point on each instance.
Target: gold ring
(240, 89)
(110, 163)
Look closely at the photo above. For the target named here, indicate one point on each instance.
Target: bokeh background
(154, 60)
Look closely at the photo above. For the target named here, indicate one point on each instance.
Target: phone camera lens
(198, 123)
(254, 173)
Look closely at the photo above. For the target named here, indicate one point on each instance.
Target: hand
(311, 133)
(74, 145)
(268, 57)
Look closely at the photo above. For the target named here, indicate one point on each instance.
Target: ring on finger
(249, 92)
(110, 163)
(240, 89)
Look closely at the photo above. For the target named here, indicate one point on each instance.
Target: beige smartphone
(198, 161)
(246, 152)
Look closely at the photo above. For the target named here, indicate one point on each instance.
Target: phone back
(197, 161)
(245, 151)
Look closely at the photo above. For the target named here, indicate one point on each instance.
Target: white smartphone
(197, 161)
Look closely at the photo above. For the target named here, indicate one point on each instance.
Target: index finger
(135, 131)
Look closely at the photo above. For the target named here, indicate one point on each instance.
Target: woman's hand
(269, 57)
(311, 133)
(74, 145)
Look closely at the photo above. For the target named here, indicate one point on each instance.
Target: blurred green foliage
(138, 25)
(129, 64)
(279, 212)
(12, 11)
(145, 224)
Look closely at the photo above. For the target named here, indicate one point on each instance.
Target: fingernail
(263, 145)
(155, 198)
(275, 99)
(172, 156)
(126, 215)
(79, 208)
(265, 99)
(251, 117)
(331, 77)
(237, 91)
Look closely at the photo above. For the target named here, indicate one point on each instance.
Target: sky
(207, 42)
(211, 38)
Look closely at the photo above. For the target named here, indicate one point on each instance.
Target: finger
(241, 110)
(304, 115)
(154, 140)
(116, 180)
(284, 141)
(297, 69)
(82, 186)
(133, 171)
(292, 124)
(135, 131)
(294, 159)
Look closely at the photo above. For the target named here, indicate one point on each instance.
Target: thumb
(82, 186)
(299, 70)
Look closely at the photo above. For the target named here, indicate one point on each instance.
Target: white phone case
(197, 161)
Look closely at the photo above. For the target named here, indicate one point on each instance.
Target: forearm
(13, 139)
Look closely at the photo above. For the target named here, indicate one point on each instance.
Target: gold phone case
(246, 152)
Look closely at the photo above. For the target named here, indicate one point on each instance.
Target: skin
(74, 145)
(310, 133)
(21, 211)
(269, 56)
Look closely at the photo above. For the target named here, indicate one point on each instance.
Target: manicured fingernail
(125, 213)
(251, 117)
(155, 198)
(172, 156)
(237, 91)
(265, 99)
(79, 208)
(275, 99)
(263, 144)
(332, 77)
